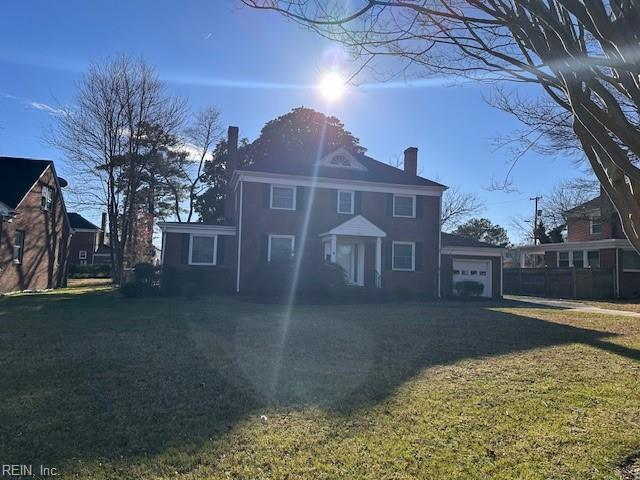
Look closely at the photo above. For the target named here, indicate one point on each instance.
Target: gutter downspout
(239, 247)
(617, 273)
(439, 293)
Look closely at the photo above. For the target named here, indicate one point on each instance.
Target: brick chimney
(411, 160)
(232, 149)
(103, 228)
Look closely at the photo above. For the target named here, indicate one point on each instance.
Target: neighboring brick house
(380, 223)
(595, 239)
(34, 227)
(84, 240)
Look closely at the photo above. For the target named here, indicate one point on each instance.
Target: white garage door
(475, 270)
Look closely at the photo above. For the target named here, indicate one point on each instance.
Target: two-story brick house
(34, 227)
(85, 239)
(381, 224)
(595, 239)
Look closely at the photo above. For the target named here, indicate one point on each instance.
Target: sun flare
(332, 86)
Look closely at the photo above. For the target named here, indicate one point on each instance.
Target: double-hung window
(593, 258)
(47, 198)
(18, 247)
(283, 197)
(345, 201)
(595, 224)
(82, 254)
(630, 261)
(404, 206)
(578, 258)
(403, 256)
(563, 259)
(281, 248)
(203, 249)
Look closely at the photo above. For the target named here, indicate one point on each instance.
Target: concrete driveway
(571, 305)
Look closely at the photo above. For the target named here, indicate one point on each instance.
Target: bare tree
(203, 134)
(102, 135)
(563, 197)
(458, 206)
(583, 55)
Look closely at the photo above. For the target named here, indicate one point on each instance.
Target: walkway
(571, 305)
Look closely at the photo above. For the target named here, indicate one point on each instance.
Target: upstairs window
(18, 247)
(345, 201)
(202, 249)
(283, 197)
(47, 198)
(281, 249)
(404, 206)
(403, 256)
(595, 225)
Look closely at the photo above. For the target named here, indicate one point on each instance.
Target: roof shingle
(17, 176)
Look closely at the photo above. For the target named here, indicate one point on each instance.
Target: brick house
(34, 227)
(381, 224)
(84, 240)
(595, 240)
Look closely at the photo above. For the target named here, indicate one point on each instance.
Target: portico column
(334, 247)
(378, 262)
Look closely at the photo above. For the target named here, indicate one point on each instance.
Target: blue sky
(254, 66)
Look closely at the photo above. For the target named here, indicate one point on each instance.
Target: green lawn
(101, 386)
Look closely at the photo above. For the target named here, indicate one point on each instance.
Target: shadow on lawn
(96, 376)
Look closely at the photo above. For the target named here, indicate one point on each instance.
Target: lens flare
(332, 86)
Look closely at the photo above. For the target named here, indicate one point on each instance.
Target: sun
(332, 86)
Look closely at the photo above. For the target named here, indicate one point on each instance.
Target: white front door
(474, 270)
(350, 256)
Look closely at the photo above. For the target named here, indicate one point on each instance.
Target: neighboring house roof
(17, 176)
(78, 222)
(453, 240)
(374, 170)
(588, 206)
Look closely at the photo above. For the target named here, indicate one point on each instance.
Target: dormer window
(595, 224)
(341, 158)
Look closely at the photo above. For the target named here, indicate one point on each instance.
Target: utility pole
(536, 213)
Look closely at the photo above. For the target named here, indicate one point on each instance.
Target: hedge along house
(381, 224)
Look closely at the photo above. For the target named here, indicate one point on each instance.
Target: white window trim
(413, 257)
(215, 249)
(47, 197)
(353, 198)
(413, 210)
(289, 187)
(81, 256)
(591, 232)
(630, 270)
(293, 244)
(585, 257)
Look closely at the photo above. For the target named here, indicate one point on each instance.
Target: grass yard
(101, 386)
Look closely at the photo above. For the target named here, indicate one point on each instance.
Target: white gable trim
(354, 164)
(357, 226)
(335, 183)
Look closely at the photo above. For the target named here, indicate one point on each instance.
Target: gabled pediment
(341, 158)
(357, 226)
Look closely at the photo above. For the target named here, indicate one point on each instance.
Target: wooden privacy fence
(560, 282)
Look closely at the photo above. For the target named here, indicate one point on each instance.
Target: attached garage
(467, 260)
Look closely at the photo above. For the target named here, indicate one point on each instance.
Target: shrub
(316, 281)
(137, 290)
(469, 288)
(189, 281)
(145, 273)
(89, 271)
